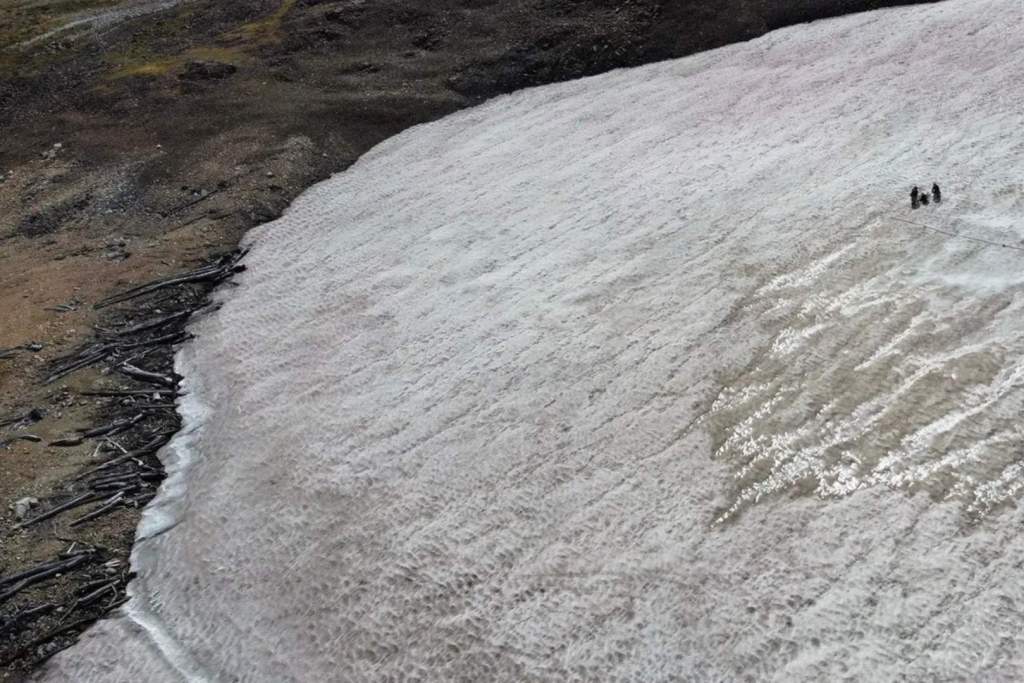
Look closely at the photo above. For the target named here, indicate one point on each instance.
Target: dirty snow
(641, 376)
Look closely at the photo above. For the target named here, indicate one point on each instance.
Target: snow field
(639, 377)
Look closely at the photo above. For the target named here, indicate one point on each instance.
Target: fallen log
(14, 578)
(129, 393)
(68, 442)
(47, 637)
(129, 475)
(66, 370)
(102, 510)
(168, 340)
(42, 576)
(115, 427)
(110, 429)
(116, 485)
(151, 324)
(146, 376)
(121, 475)
(20, 618)
(15, 350)
(83, 499)
(143, 500)
(150, 447)
(95, 595)
(159, 409)
(211, 273)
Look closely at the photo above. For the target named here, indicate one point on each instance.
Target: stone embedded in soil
(207, 70)
(22, 507)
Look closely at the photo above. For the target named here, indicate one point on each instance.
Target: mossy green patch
(127, 64)
(268, 28)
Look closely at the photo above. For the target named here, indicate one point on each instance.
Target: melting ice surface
(641, 377)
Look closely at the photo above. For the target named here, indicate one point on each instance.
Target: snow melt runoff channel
(637, 377)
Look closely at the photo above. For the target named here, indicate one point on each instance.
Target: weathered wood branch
(111, 503)
(83, 499)
(146, 376)
(224, 269)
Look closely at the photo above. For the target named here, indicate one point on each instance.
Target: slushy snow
(638, 377)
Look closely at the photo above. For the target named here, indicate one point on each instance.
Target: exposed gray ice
(639, 377)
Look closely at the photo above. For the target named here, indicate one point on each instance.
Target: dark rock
(326, 35)
(345, 17)
(427, 40)
(360, 67)
(207, 70)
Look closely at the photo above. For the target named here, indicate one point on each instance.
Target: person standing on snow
(914, 194)
(936, 193)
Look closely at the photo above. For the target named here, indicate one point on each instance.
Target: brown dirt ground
(153, 171)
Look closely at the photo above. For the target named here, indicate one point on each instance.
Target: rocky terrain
(139, 138)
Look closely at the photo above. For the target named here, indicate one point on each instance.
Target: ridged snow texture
(639, 377)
